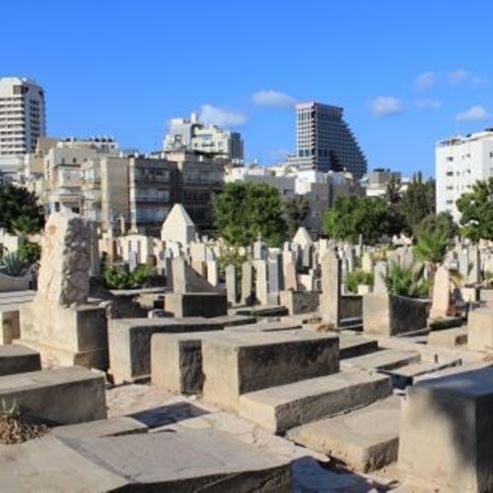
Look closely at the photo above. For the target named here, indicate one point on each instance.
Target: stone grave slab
(15, 358)
(240, 362)
(286, 406)
(365, 439)
(63, 396)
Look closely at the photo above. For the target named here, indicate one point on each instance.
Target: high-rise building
(193, 135)
(325, 142)
(459, 163)
(22, 115)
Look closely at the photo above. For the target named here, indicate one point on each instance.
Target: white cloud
(461, 76)
(425, 81)
(428, 104)
(214, 115)
(473, 114)
(273, 99)
(458, 76)
(382, 106)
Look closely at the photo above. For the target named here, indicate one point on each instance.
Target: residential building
(63, 173)
(22, 115)
(375, 183)
(459, 163)
(211, 140)
(325, 142)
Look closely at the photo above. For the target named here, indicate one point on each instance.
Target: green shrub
(119, 276)
(12, 264)
(30, 252)
(408, 282)
(357, 277)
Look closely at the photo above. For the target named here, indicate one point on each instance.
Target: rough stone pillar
(246, 283)
(231, 287)
(261, 286)
(379, 286)
(440, 302)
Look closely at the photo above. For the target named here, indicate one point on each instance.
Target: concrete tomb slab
(386, 359)
(365, 439)
(62, 396)
(451, 449)
(196, 304)
(480, 330)
(286, 406)
(130, 342)
(15, 358)
(240, 362)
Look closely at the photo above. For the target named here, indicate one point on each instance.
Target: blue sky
(407, 72)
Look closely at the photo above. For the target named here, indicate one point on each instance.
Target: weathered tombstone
(367, 263)
(441, 293)
(261, 287)
(289, 270)
(59, 323)
(231, 286)
(474, 276)
(259, 250)
(379, 286)
(247, 283)
(213, 273)
(330, 299)
(178, 226)
(302, 237)
(275, 278)
(133, 261)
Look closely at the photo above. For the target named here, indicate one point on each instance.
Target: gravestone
(178, 226)
(330, 299)
(379, 286)
(441, 293)
(231, 286)
(261, 287)
(247, 283)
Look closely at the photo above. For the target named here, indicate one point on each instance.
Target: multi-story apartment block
(211, 140)
(459, 162)
(63, 173)
(376, 182)
(325, 142)
(22, 115)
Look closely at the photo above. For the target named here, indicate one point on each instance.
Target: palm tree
(431, 248)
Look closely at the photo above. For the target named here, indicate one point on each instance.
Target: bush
(30, 252)
(13, 265)
(402, 281)
(119, 277)
(357, 277)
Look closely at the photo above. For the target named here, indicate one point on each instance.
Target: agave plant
(13, 265)
(410, 282)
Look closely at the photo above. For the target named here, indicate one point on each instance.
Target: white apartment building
(459, 163)
(325, 142)
(193, 135)
(22, 116)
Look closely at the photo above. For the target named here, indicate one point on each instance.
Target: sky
(407, 73)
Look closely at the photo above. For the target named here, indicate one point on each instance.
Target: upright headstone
(231, 286)
(261, 286)
(65, 260)
(302, 237)
(289, 270)
(213, 273)
(380, 273)
(367, 263)
(178, 226)
(441, 293)
(475, 266)
(330, 299)
(275, 278)
(247, 283)
(133, 260)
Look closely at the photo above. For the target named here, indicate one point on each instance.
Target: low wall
(351, 306)
(10, 283)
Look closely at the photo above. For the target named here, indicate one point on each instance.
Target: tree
(476, 208)
(442, 222)
(418, 201)
(297, 209)
(243, 211)
(352, 216)
(20, 210)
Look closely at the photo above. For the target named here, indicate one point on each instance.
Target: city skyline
(407, 80)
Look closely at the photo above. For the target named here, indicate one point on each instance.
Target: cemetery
(275, 371)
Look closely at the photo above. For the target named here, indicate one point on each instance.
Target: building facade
(325, 142)
(459, 163)
(22, 115)
(211, 140)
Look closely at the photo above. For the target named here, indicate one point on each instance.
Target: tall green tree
(243, 211)
(418, 201)
(442, 222)
(352, 216)
(20, 211)
(297, 209)
(476, 208)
